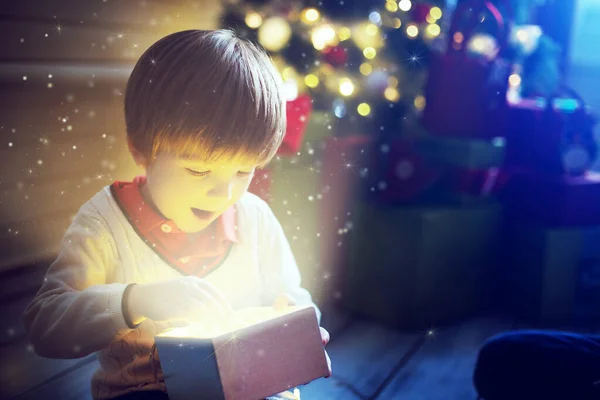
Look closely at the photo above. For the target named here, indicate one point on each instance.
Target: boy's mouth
(202, 214)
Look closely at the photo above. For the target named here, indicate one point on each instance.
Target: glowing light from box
(274, 33)
(363, 109)
(241, 319)
(253, 20)
(405, 5)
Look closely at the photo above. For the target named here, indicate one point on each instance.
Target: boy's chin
(196, 225)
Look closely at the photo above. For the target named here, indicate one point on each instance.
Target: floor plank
(21, 369)
(443, 366)
(327, 389)
(335, 321)
(74, 385)
(363, 355)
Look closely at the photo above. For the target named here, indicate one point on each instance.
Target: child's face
(193, 194)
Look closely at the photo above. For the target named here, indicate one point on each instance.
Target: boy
(186, 242)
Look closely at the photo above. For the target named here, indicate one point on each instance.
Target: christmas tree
(364, 62)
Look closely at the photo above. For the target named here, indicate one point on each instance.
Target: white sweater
(77, 311)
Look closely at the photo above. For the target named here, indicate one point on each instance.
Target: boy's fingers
(324, 336)
(283, 300)
(328, 365)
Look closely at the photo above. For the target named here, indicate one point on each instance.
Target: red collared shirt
(191, 255)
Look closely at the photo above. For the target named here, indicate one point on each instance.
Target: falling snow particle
(10, 144)
(40, 162)
(24, 77)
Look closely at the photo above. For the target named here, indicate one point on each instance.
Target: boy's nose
(221, 191)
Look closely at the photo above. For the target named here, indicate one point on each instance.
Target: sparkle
(414, 59)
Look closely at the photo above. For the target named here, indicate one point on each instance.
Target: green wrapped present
(463, 153)
(418, 267)
(554, 274)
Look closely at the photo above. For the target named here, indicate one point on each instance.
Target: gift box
(554, 274)
(272, 352)
(416, 267)
(554, 200)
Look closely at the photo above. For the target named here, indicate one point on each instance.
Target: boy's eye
(243, 174)
(197, 173)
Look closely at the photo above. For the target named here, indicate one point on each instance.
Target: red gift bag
(298, 112)
(464, 95)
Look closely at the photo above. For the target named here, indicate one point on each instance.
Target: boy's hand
(186, 298)
(285, 300)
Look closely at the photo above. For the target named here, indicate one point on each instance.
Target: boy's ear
(138, 157)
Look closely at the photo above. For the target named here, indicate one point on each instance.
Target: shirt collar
(146, 218)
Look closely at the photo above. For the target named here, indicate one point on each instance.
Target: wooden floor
(369, 361)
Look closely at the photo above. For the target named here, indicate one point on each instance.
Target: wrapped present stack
(425, 244)
(427, 233)
(552, 204)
